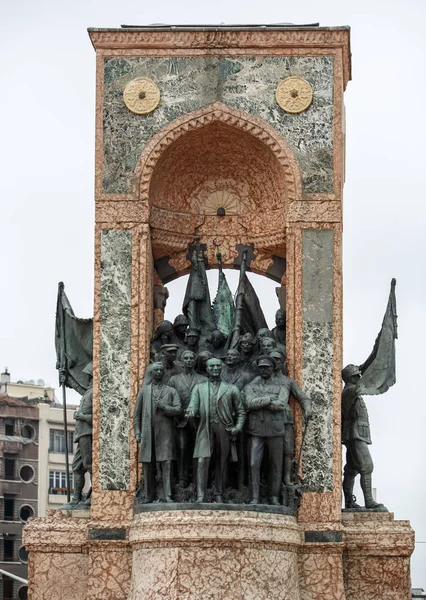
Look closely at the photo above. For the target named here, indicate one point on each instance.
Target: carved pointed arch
(218, 112)
(218, 158)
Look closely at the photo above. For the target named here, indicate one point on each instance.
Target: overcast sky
(47, 109)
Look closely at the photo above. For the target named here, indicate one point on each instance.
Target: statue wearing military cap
(82, 461)
(356, 437)
(270, 424)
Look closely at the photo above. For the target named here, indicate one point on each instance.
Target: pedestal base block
(214, 555)
(376, 562)
(218, 555)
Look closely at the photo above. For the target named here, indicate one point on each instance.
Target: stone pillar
(122, 332)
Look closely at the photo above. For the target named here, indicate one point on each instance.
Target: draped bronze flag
(378, 371)
(74, 344)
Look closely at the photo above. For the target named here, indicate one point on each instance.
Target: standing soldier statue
(270, 424)
(82, 461)
(374, 377)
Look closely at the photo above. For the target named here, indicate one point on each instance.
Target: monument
(217, 461)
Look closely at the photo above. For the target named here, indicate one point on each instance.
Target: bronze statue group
(212, 416)
(202, 404)
(213, 411)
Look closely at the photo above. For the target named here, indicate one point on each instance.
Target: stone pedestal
(218, 555)
(214, 555)
(377, 556)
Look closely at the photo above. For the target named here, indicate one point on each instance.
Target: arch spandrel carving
(218, 158)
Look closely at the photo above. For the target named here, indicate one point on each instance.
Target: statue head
(279, 359)
(214, 368)
(267, 344)
(232, 357)
(217, 339)
(351, 374)
(169, 352)
(188, 359)
(280, 318)
(201, 362)
(192, 338)
(266, 365)
(157, 371)
(264, 332)
(163, 331)
(181, 324)
(246, 343)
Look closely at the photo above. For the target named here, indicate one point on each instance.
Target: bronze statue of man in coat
(220, 410)
(153, 422)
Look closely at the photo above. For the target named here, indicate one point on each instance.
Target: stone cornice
(253, 40)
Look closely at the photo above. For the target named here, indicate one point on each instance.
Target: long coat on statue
(149, 418)
(230, 410)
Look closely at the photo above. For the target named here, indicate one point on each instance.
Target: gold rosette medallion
(294, 94)
(141, 95)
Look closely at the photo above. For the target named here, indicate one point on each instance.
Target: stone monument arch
(236, 135)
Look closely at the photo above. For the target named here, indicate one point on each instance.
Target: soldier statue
(82, 461)
(375, 376)
(153, 422)
(220, 410)
(356, 437)
(270, 424)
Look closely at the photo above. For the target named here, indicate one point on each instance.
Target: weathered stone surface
(115, 292)
(214, 555)
(246, 83)
(317, 362)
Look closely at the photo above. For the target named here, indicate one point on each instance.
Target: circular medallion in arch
(141, 95)
(294, 95)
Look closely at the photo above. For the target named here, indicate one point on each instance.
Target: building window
(23, 554)
(9, 428)
(8, 547)
(23, 592)
(28, 432)
(9, 468)
(26, 473)
(58, 482)
(7, 587)
(26, 512)
(57, 441)
(9, 509)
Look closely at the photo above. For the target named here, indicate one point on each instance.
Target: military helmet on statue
(349, 371)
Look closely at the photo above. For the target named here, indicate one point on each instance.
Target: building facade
(19, 477)
(32, 471)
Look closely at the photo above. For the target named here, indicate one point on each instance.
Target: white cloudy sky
(46, 192)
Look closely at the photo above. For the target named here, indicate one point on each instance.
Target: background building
(19, 475)
(32, 389)
(32, 470)
(52, 488)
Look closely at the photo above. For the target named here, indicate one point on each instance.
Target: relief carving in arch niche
(218, 158)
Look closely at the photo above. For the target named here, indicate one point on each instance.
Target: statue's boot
(87, 502)
(288, 463)
(367, 489)
(275, 501)
(77, 494)
(348, 488)
(166, 470)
